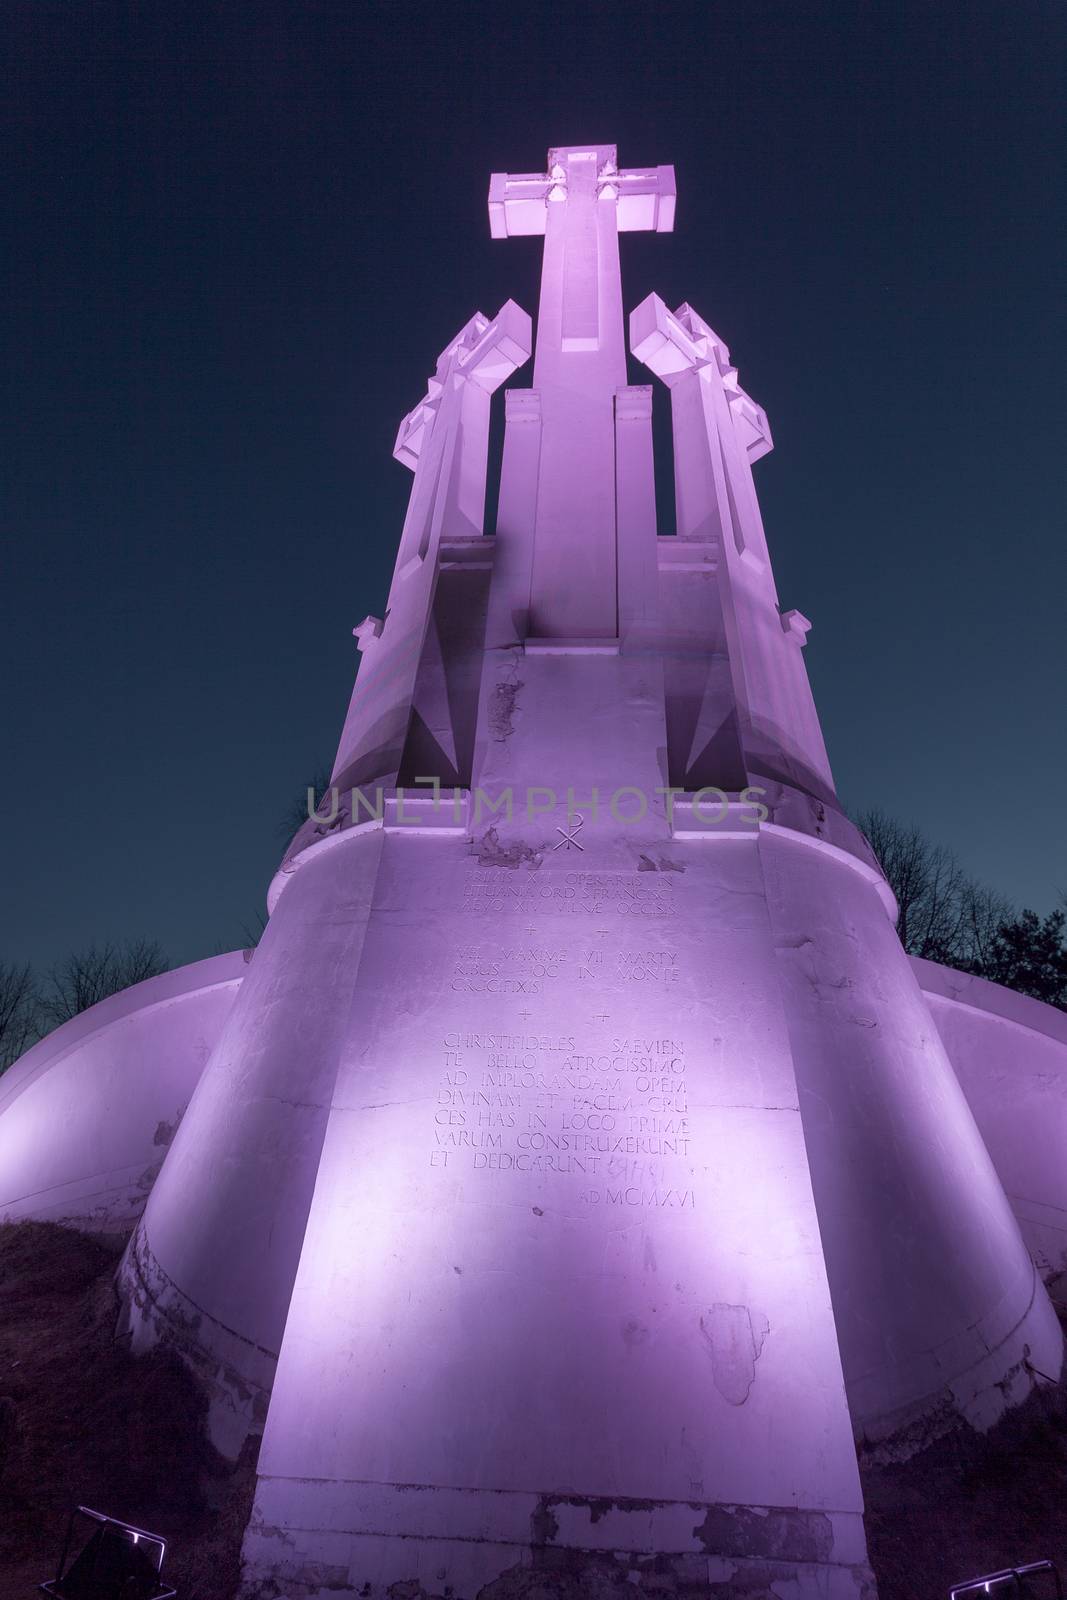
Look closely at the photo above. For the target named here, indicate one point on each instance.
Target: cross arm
(484, 353)
(645, 197)
(672, 343)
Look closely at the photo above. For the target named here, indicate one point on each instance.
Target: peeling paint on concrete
(544, 1526)
(736, 1341)
(165, 1131)
(568, 1547)
(503, 705)
(154, 1311)
(663, 864)
(779, 1533)
(554, 1574)
(491, 853)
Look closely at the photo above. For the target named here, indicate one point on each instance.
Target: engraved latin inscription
(531, 968)
(499, 890)
(611, 1116)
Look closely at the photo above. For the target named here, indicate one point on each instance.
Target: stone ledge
(423, 1541)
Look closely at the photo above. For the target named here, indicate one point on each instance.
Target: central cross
(580, 205)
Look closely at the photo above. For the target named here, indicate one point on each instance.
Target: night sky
(238, 236)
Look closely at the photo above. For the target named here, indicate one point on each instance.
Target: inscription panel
(612, 1116)
(569, 1069)
(563, 1152)
(499, 891)
(533, 968)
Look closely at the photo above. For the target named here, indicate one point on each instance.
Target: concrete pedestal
(562, 1287)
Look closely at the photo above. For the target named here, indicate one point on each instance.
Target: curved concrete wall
(939, 1309)
(210, 1267)
(87, 1114)
(1010, 1055)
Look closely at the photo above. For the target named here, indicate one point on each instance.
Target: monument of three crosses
(579, 1173)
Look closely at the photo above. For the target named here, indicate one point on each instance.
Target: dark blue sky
(240, 234)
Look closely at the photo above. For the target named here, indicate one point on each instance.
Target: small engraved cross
(570, 838)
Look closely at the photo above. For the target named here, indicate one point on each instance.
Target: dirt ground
(972, 1505)
(92, 1424)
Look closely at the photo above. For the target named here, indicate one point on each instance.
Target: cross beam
(519, 202)
(672, 343)
(484, 353)
(578, 206)
(444, 440)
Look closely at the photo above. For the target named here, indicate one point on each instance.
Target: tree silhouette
(297, 813)
(944, 915)
(1028, 954)
(19, 1012)
(947, 917)
(88, 976)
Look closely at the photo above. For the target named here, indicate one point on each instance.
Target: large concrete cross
(581, 205)
(444, 440)
(569, 568)
(453, 415)
(719, 431)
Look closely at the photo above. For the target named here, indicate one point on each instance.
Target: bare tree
(19, 1012)
(87, 976)
(944, 915)
(985, 912)
(300, 807)
(927, 881)
(255, 928)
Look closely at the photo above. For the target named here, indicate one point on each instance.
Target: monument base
(381, 1541)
